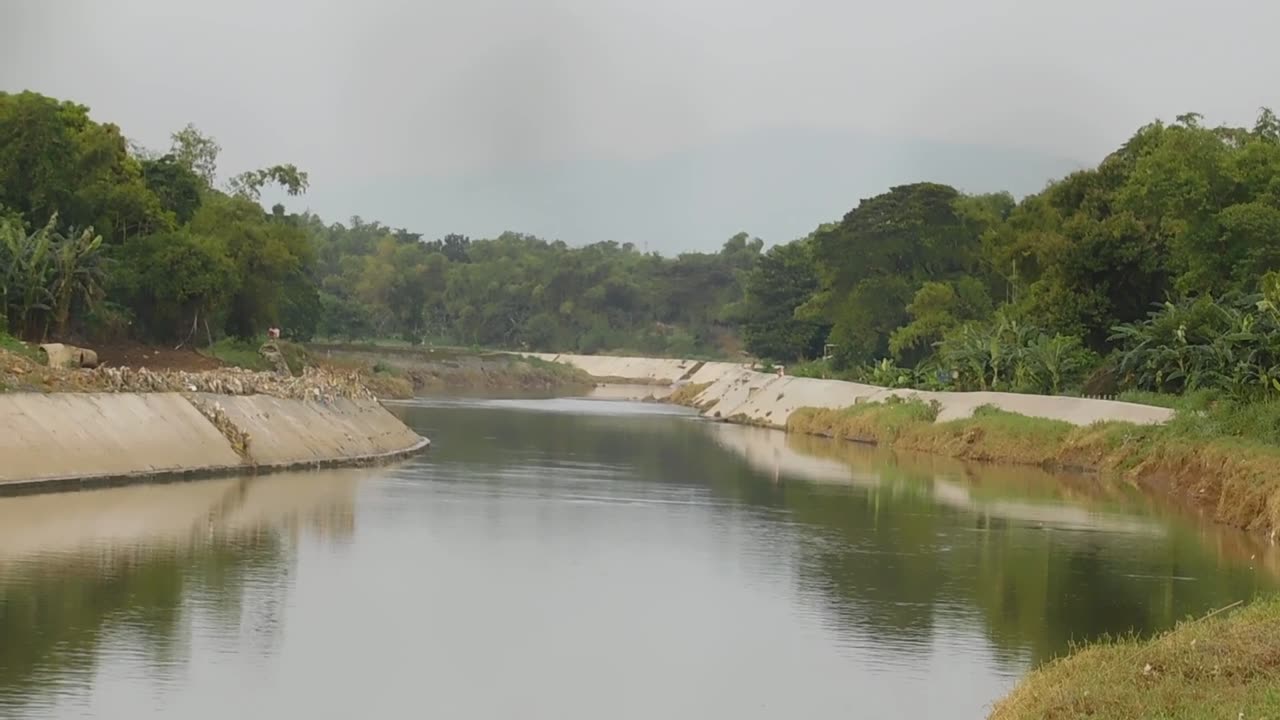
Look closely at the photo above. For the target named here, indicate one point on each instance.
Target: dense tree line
(920, 285)
(99, 237)
(518, 291)
(926, 284)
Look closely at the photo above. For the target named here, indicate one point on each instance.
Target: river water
(576, 559)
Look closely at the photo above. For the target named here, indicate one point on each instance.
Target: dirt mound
(133, 354)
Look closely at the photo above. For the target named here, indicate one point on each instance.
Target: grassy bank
(1221, 458)
(405, 371)
(1226, 666)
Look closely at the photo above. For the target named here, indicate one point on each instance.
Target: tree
(175, 280)
(873, 262)
(266, 252)
(781, 281)
(937, 308)
(249, 184)
(54, 160)
(175, 184)
(197, 152)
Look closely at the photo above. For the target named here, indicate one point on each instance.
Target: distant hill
(776, 185)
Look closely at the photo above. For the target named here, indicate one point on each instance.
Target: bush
(240, 353)
(1009, 355)
(1230, 343)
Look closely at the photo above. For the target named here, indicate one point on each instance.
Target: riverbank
(394, 371)
(1231, 480)
(1223, 462)
(64, 428)
(1226, 666)
(63, 441)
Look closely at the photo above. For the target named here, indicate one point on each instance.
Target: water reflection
(581, 558)
(1044, 558)
(91, 579)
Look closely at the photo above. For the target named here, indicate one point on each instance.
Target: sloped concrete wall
(659, 370)
(285, 432)
(770, 400)
(64, 440)
(737, 392)
(65, 435)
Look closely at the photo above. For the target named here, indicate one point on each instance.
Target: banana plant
(78, 274)
(43, 273)
(1229, 343)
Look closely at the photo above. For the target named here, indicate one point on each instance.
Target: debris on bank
(18, 373)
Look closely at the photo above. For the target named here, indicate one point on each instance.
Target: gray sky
(668, 122)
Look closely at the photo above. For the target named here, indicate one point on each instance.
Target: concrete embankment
(657, 371)
(735, 392)
(71, 440)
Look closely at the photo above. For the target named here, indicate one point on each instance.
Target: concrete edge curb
(75, 483)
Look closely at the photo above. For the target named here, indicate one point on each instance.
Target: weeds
(1226, 666)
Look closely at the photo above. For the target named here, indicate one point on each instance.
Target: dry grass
(687, 394)
(877, 423)
(1224, 667)
(1235, 481)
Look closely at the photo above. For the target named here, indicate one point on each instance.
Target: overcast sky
(668, 122)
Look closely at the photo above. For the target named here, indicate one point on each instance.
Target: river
(571, 558)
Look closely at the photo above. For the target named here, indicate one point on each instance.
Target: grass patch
(1142, 397)
(686, 394)
(879, 423)
(239, 353)
(388, 381)
(14, 345)
(244, 354)
(820, 369)
(400, 372)
(1227, 666)
(1220, 457)
(295, 355)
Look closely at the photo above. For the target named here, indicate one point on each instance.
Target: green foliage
(937, 308)
(55, 161)
(1230, 343)
(8, 343)
(268, 254)
(174, 280)
(44, 275)
(1009, 355)
(175, 185)
(241, 353)
(249, 184)
(197, 152)
(781, 281)
(876, 261)
(518, 291)
(909, 287)
(820, 369)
